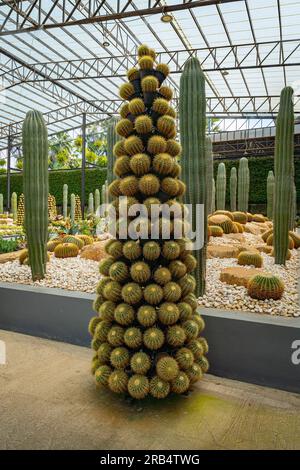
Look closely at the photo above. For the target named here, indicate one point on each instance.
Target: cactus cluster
(21, 210)
(52, 209)
(147, 333)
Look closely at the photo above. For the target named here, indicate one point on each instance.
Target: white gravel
(222, 295)
(75, 274)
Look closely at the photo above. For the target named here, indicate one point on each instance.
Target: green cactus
(36, 189)
(72, 208)
(265, 286)
(112, 138)
(91, 204)
(284, 173)
(97, 199)
(233, 188)
(293, 213)
(142, 317)
(1, 203)
(221, 187)
(243, 185)
(270, 194)
(192, 132)
(213, 196)
(65, 201)
(209, 174)
(14, 206)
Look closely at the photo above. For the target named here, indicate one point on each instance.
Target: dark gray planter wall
(243, 346)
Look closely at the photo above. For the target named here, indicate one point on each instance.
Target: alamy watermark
(130, 220)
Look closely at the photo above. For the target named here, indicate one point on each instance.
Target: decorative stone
(222, 251)
(238, 276)
(94, 252)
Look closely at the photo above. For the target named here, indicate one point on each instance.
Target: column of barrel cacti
(147, 335)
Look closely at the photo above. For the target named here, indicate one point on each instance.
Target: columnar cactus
(270, 194)
(78, 212)
(36, 188)
(194, 151)
(284, 172)
(146, 335)
(243, 185)
(14, 206)
(65, 201)
(233, 188)
(21, 210)
(1, 203)
(221, 187)
(72, 207)
(97, 199)
(213, 196)
(293, 208)
(91, 204)
(209, 174)
(112, 139)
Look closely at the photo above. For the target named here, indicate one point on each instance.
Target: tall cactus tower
(112, 139)
(284, 174)
(209, 174)
(147, 333)
(36, 188)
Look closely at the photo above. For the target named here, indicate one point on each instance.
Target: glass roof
(249, 51)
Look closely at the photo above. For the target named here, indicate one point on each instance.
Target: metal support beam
(24, 19)
(232, 57)
(83, 164)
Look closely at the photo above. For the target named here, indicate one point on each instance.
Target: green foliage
(95, 178)
(259, 168)
(7, 246)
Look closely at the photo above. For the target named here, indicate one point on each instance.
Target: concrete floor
(48, 400)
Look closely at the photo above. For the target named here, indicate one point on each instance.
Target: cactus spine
(209, 174)
(243, 185)
(1, 203)
(270, 194)
(233, 188)
(112, 138)
(36, 188)
(293, 208)
(72, 208)
(284, 172)
(65, 201)
(91, 204)
(97, 199)
(14, 206)
(192, 111)
(221, 187)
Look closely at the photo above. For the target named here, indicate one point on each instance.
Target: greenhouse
(149, 227)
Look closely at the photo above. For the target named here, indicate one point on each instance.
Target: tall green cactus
(192, 112)
(36, 189)
(270, 194)
(293, 208)
(243, 185)
(14, 206)
(97, 199)
(221, 187)
(209, 173)
(65, 201)
(213, 196)
(112, 138)
(233, 188)
(1, 203)
(91, 204)
(72, 207)
(284, 172)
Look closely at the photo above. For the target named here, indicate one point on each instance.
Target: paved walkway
(48, 401)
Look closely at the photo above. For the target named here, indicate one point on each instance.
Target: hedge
(94, 179)
(259, 168)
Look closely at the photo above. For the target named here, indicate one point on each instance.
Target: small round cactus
(66, 250)
(265, 286)
(250, 258)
